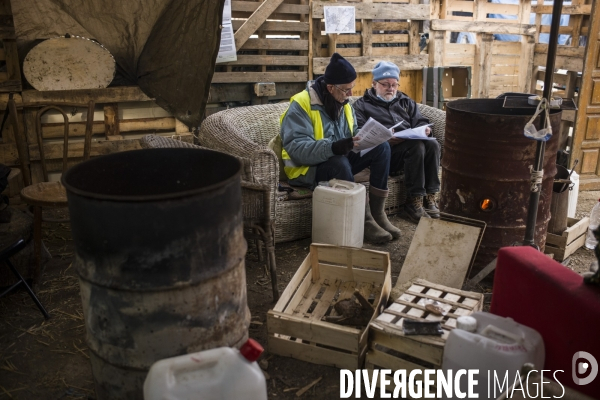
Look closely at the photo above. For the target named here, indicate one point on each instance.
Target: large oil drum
(160, 254)
(486, 175)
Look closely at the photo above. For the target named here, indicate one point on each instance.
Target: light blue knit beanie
(386, 69)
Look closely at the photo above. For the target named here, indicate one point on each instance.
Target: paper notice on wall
(227, 48)
(339, 19)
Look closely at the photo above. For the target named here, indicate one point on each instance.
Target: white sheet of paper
(414, 133)
(227, 51)
(371, 134)
(339, 19)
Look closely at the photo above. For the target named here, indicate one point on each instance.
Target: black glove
(342, 147)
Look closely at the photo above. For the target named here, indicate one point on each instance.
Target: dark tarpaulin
(167, 47)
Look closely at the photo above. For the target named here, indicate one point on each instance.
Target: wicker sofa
(245, 132)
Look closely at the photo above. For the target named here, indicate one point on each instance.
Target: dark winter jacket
(402, 108)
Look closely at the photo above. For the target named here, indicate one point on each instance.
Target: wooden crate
(571, 239)
(389, 348)
(328, 274)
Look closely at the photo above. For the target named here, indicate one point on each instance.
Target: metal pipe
(539, 151)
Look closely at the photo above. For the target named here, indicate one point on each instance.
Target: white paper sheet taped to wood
(69, 63)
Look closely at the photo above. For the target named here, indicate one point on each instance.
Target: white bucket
(339, 214)
(222, 373)
(573, 195)
(497, 348)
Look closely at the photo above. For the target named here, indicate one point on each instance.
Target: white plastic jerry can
(339, 213)
(496, 346)
(217, 374)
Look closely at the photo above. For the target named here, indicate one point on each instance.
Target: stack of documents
(373, 134)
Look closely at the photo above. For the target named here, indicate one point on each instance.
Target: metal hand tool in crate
(390, 348)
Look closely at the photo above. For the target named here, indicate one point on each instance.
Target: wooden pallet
(571, 239)
(279, 53)
(389, 348)
(328, 274)
(569, 58)
(387, 31)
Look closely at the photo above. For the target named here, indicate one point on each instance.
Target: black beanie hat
(339, 71)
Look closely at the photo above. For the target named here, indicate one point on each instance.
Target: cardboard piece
(442, 251)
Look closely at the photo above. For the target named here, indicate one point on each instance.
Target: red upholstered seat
(540, 293)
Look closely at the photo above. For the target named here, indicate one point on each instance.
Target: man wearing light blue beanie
(420, 159)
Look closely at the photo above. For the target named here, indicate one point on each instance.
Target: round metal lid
(69, 63)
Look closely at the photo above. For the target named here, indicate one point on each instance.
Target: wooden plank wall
(496, 66)
(387, 31)
(569, 57)
(384, 31)
(278, 53)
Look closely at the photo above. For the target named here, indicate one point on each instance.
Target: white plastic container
(573, 195)
(339, 214)
(497, 344)
(216, 374)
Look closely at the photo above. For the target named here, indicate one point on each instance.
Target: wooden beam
(314, 40)
(251, 6)
(258, 17)
(436, 48)
(275, 44)
(366, 64)
(77, 129)
(562, 51)
(108, 95)
(585, 9)
(252, 77)
(11, 86)
(482, 27)
(12, 66)
(526, 63)
(366, 34)
(269, 60)
(111, 120)
(378, 10)
(483, 56)
(568, 63)
(279, 26)
(414, 38)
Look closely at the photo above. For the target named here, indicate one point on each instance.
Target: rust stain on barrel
(487, 156)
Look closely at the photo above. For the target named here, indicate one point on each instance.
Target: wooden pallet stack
(569, 56)
(497, 66)
(271, 39)
(387, 31)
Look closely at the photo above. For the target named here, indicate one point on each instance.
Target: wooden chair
(46, 194)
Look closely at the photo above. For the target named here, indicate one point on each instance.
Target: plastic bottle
(590, 240)
(215, 374)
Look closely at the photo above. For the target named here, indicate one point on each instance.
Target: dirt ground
(49, 359)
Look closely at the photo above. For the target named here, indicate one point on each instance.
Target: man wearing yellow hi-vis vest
(317, 133)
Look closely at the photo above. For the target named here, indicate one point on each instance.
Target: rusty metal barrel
(160, 253)
(485, 171)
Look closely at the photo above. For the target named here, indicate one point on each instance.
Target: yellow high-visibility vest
(291, 169)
